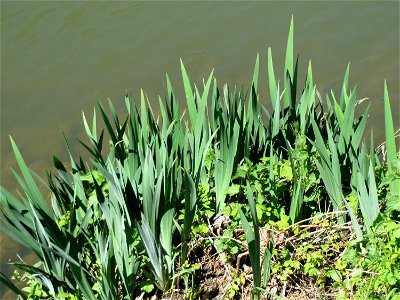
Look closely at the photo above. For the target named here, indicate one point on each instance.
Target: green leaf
(255, 73)
(347, 129)
(233, 189)
(276, 116)
(32, 190)
(9, 284)
(343, 97)
(288, 71)
(252, 237)
(271, 80)
(368, 200)
(297, 196)
(190, 209)
(153, 250)
(267, 261)
(167, 230)
(359, 133)
(190, 100)
(147, 286)
(390, 140)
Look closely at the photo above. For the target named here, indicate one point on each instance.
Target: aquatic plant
(128, 220)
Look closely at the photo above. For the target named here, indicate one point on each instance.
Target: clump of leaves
(36, 291)
(371, 267)
(392, 203)
(266, 190)
(307, 252)
(236, 283)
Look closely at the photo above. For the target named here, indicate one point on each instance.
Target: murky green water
(59, 58)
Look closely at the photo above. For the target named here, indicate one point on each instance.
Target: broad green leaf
(153, 251)
(368, 200)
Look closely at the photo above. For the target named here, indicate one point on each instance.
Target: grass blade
(271, 79)
(253, 240)
(390, 141)
(288, 71)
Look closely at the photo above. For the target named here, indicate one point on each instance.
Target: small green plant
(235, 284)
(260, 273)
(374, 263)
(187, 274)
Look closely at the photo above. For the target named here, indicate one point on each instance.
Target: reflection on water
(59, 58)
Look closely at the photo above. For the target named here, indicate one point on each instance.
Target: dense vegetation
(226, 200)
